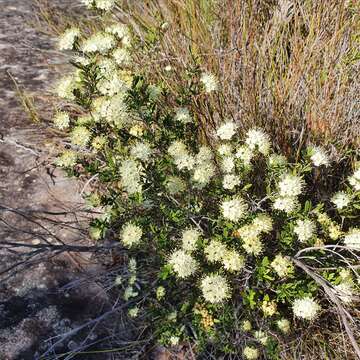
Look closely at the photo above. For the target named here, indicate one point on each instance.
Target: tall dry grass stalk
(291, 67)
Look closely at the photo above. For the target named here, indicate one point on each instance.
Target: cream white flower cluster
(68, 38)
(354, 180)
(67, 159)
(234, 209)
(304, 229)
(257, 139)
(216, 251)
(346, 289)
(80, 136)
(352, 238)
(98, 43)
(226, 131)
(215, 288)
(141, 151)
(318, 156)
(99, 4)
(250, 234)
(290, 186)
(61, 120)
(65, 87)
(201, 164)
(131, 234)
(282, 266)
(251, 353)
(204, 168)
(183, 264)
(209, 82)
(283, 325)
(183, 115)
(182, 158)
(244, 154)
(190, 238)
(306, 308)
(130, 176)
(341, 200)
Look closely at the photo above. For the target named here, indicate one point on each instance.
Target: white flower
(215, 288)
(183, 115)
(87, 3)
(282, 266)
(133, 312)
(160, 292)
(234, 209)
(104, 4)
(306, 308)
(251, 353)
(131, 234)
(82, 60)
(287, 204)
(80, 136)
(228, 164)
(99, 142)
(352, 238)
(245, 154)
(261, 337)
(130, 293)
(252, 245)
(67, 39)
(112, 85)
(184, 162)
(227, 130)
(233, 261)
(65, 87)
(107, 67)
(230, 181)
(121, 56)
(304, 229)
(340, 200)
(120, 30)
(224, 149)
(258, 139)
(183, 264)
(130, 176)
(99, 42)
(290, 185)
(344, 291)
(182, 159)
(205, 155)
(318, 156)
(203, 173)
(67, 159)
(174, 340)
(354, 180)
(177, 149)
(283, 325)
(209, 82)
(246, 325)
(141, 151)
(263, 223)
(215, 251)
(61, 120)
(189, 239)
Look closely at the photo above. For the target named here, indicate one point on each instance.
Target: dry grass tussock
(291, 67)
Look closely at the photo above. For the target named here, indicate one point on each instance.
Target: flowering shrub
(233, 233)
